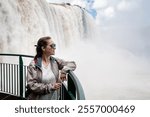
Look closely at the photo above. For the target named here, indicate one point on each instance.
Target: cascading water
(23, 22)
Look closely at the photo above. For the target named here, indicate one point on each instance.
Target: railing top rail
(80, 92)
(4, 54)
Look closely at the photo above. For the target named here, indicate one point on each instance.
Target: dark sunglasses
(53, 46)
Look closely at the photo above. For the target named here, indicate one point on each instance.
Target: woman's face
(50, 48)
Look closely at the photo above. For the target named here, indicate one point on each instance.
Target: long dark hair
(42, 42)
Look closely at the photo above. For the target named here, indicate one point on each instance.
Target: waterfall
(23, 22)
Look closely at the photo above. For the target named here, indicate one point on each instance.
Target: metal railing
(13, 81)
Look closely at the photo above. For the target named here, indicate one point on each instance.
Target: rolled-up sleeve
(65, 66)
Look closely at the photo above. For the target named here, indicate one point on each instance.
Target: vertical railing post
(78, 88)
(71, 87)
(21, 75)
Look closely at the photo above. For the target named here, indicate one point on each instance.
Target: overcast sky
(108, 10)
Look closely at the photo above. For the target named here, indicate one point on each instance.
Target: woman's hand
(56, 86)
(63, 76)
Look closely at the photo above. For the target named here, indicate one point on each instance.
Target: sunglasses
(53, 46)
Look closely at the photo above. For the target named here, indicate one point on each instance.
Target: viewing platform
(13, 80)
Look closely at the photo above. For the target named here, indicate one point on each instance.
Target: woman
(43, 72)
